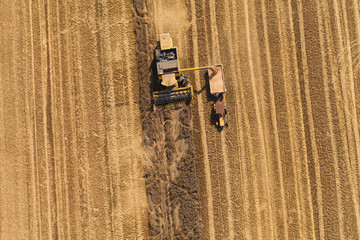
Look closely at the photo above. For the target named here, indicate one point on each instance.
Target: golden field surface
(83, 156)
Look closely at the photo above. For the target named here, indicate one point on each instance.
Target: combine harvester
(173, 86)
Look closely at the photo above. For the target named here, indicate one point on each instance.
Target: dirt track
(76, 161)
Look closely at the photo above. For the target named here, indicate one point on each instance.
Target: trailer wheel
(184, 81)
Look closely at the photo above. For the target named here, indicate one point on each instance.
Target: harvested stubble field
(82, 156)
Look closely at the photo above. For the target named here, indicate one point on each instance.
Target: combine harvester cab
(171, 85)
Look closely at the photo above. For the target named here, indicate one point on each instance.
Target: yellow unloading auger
(216, 78)
(172, 85)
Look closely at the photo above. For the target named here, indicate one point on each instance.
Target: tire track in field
(213, 53)
(345, 78)
(47, 118)
(67, 38)
(94, 179)
(140, 206)
(111, 122)
(351, 204)
(128, 184)
(211, 145)
(44, 139)
(228, 38)
(81, 124)
(246, 228)
(254, 168)
(263, 169)
(243, 156)
(343, 114)
(348, 88)
(330, 120)
(29, 107)
(354, 33)
(51, 114)
(20, 104)
(355, 27)
(19, 80)
(35, 206)
(63, 181)
(307, 216)
(279, 70)
(290, 166)
(310, 130)
(13, 189)
(136, 174)
(352, 99)
(256, 63)
(210, 233)
(209, 46)
(27, 135)
(63, 176)
(224, 141)
(2, 152)
(282, 222)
